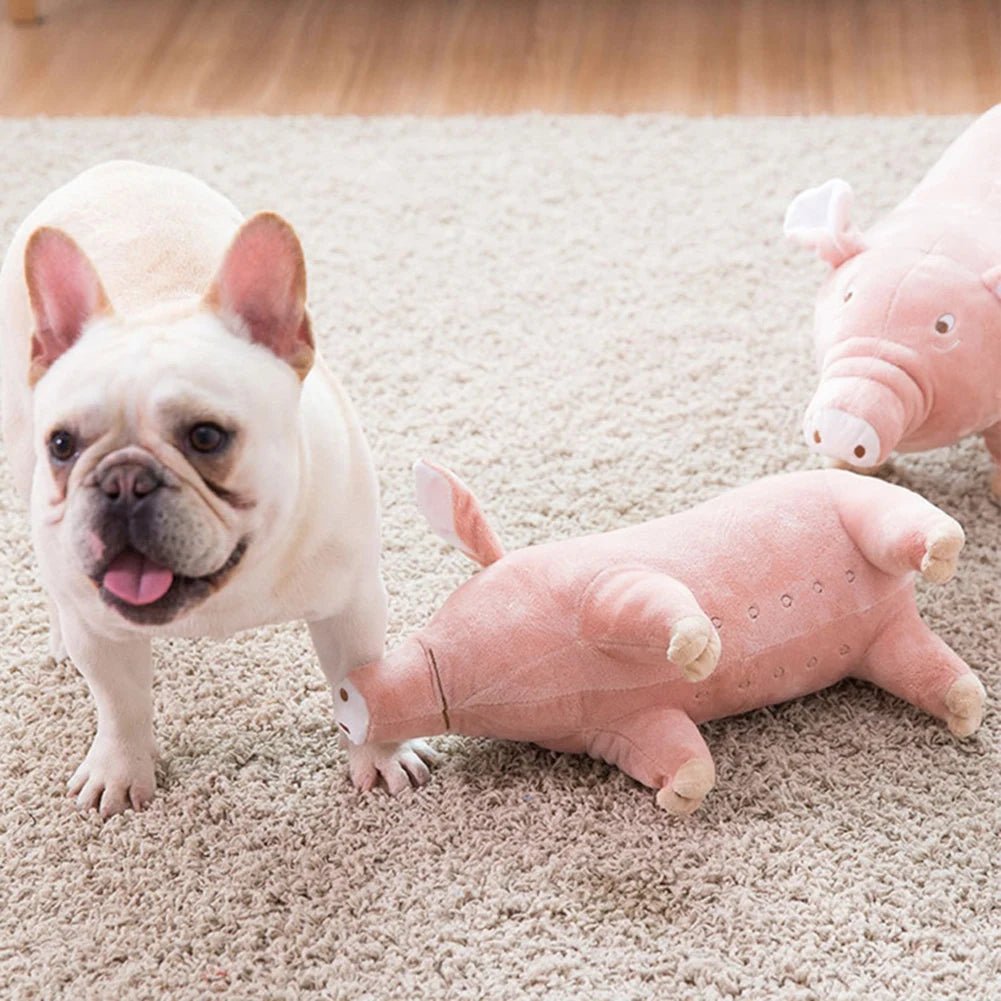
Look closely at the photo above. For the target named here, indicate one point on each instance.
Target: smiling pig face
(907, 333)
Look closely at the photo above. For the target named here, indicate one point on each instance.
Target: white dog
(192, 466)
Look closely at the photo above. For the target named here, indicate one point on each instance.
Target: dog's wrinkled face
(166, 450)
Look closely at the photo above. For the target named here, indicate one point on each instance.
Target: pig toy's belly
(794, 600)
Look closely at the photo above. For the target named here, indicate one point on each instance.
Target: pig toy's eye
(849, 292)
(945, 323)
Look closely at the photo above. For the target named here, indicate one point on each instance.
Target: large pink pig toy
(908, 321)
(618, 645)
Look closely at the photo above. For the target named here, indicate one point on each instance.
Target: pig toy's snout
(842, 436)
(351, 712)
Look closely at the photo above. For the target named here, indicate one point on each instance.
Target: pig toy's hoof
(694, 647)
(942, 546)
(688, 788)
(965, 702)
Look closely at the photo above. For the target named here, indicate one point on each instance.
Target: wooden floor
(192, 57)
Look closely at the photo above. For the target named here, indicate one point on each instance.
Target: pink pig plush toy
(908, 320)
(618, 645)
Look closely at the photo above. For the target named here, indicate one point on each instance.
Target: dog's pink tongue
(136, 579)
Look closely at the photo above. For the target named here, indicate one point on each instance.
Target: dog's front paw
(400, 766)
(114, 777)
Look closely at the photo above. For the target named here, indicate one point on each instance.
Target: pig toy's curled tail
(454, 513)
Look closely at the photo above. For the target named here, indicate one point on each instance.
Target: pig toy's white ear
(821, 219)
(454, 513)
(992, 279)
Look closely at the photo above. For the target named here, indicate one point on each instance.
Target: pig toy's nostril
(842, 436)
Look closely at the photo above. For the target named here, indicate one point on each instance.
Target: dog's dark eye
(62, 446)
(207, 438)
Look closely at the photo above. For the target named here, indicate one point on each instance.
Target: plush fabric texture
(908, 323)
(610, 645)
(598, 322)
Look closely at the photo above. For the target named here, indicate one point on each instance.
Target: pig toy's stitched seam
(903, 578)
(862, 555)
(994, 195)
(878, 633)
(558, 696)
(626, 739)
(527, 665)
(832, 501)
(636, 712)
(593, 732)
(933, 249)
(585, 594)
(436, 678)
(736, 666)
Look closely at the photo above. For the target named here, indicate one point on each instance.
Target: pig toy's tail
(454, 513)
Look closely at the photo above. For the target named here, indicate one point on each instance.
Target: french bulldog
(191, 465)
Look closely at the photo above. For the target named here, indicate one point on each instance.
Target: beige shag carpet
(595, 321)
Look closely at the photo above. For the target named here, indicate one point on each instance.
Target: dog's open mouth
(136, 579)
(148, 593)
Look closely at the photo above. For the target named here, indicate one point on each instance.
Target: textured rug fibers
(595, 321)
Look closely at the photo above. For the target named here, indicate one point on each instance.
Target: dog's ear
(260, 290)
(65, 295)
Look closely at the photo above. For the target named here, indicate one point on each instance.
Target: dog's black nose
(128, 481)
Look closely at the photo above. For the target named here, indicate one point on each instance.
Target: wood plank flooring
(784, 57)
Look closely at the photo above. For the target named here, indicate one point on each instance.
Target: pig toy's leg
(897, 530)
(636, 613)
(663, 749)
(992, 439)
(911, 662)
